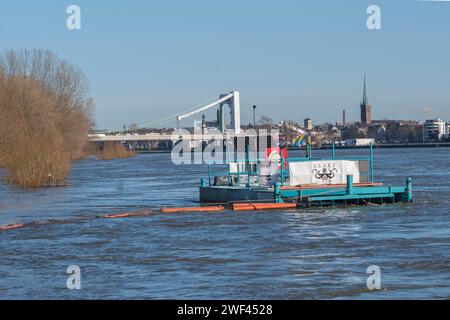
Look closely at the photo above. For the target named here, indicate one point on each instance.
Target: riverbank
(388, 146)
(328, 147)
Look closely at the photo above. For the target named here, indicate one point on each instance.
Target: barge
(305, 181)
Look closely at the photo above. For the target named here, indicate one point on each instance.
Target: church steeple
(366, 108)
(365, 100)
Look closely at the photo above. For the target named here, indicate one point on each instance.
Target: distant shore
(388, 146)
(328, 147)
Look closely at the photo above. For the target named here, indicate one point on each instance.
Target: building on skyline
(353, 132)
(377, 132)
(434, 129)
(366, 108)
(308, 124)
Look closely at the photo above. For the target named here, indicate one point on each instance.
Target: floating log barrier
(262, 206)
(117, 215)
(11, 226)
(126, 215)
(193, 209)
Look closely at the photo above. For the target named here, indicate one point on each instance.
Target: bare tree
(45, 115)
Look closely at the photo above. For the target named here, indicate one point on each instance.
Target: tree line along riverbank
(45, 115)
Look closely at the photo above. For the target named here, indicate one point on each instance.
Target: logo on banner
(325, 171)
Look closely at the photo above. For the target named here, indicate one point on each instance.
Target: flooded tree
(113, 150)
(45, 115)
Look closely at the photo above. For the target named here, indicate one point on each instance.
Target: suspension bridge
(166, 140)
(203, 131)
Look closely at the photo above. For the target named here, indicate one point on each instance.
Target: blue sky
(146, 60)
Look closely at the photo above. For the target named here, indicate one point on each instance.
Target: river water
(288, 254)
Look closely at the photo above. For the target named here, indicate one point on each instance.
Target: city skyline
(293, 60)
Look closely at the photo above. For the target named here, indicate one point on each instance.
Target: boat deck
(327, 186)
(311, 195)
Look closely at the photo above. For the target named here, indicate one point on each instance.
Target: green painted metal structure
(348, 194)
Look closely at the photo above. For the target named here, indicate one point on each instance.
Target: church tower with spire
(366, 108)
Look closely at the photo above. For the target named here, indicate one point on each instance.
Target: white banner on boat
(323, 172)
